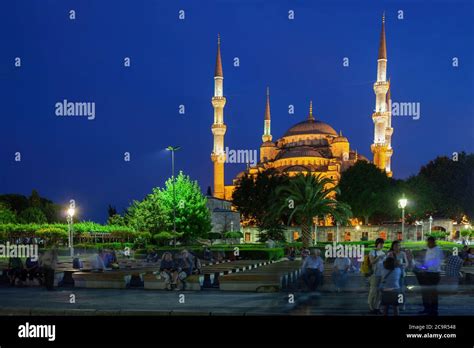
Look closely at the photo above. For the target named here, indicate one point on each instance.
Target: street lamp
(402, 202)
(173, 149)
(69, 215)
(431, 223)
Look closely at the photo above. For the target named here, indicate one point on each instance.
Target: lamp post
(173, 149)
(402, 202)
(431, 223)
(69, 215)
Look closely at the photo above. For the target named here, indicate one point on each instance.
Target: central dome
(311, 127)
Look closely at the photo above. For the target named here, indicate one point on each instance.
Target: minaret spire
(382, 44)
(267, 149)
(218, 72)
(267, 106)
(267, 135)
(310, 115)
(218, 155)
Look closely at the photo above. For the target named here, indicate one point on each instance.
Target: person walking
(428, 275)
(403, 260)
(376, 258)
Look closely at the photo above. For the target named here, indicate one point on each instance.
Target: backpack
(366, 267)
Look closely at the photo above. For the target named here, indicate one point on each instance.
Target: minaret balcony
(380, 115)
(218, 102)
(218, 129)
(381, 87)
(219, 158)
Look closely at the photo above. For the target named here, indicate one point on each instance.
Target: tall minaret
(381, 148)
(267, 149)
(218, 155)
(267, 134)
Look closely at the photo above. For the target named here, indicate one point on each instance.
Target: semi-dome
(311, 127)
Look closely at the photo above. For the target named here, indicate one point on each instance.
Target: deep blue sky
(173, 63)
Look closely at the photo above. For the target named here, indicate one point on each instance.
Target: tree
(366, 189)
(305, 197)
(7, 216)
(148, 215)
(453, 180)
(116, 219)
(193, 219)
(111, 210)
(32, 215)
(254, 197)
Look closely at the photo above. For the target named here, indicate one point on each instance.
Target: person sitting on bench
(313, 266)
(32, 270)
(168, 270)
(152, 257)
(16, 271)
(185, 268)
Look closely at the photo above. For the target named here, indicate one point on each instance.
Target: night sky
(172, 63)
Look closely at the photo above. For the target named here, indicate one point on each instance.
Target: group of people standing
(387, 281)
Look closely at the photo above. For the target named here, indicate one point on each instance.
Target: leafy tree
(254, 197)
(149, 214)
(32, 215)
(453, 180)
(6, 215)
(305, 197)
(116, 219)
(193, 218)
(366, 189)
(35, 199)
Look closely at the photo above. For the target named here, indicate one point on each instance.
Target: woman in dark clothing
(168, 270)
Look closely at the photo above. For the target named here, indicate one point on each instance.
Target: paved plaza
(37, 301)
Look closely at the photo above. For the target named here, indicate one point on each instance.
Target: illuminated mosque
(311, 145)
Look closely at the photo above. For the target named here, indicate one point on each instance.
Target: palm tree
(305, 197)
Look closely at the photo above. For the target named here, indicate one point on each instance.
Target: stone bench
(106, 280)
(155, 282)
(272, 277)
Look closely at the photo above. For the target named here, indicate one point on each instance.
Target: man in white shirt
(376, 257)
(428, 275)
(313, 265)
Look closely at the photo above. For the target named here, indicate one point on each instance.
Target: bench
(272, 277)
(155, 282)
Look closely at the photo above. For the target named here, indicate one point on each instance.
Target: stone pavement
(37, 301)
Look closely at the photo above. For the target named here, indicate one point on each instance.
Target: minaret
(310, 115)
(267, 149)
(267, 135)
(218, 155)
(381, 148)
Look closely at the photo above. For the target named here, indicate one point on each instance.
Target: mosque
(311, 145)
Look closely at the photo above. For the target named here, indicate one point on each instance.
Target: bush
(52, 235)
(163, 237)
(253, 253)
(233, 235)
(437, 234)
